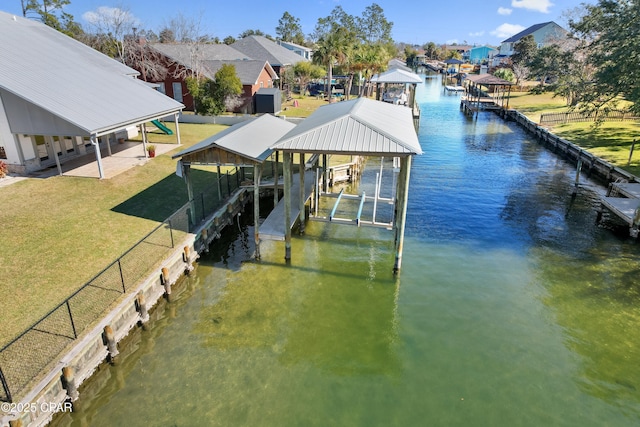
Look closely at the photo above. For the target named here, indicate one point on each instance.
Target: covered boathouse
(360, 127)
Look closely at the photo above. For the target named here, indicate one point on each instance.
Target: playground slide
(162, 127)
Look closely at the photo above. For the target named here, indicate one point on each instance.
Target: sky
(416, 22)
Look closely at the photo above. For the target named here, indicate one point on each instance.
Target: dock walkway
(627, 207)
(273, 227)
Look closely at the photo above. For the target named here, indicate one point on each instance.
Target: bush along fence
(574, 117)
(25, 359)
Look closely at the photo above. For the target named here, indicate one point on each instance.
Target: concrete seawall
(58, 387)
(592, 165)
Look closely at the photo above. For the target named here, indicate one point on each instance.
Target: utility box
(268, 100)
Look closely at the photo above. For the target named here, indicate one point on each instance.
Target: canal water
(513, 308)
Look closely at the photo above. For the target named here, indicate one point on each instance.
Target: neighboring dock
(454, 89)
(626, 208)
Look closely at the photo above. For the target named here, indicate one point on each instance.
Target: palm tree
(332, 49)
(370, 59)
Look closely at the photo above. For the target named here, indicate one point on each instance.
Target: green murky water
(513, 308)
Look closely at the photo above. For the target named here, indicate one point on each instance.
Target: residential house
(544, 34)
(183, 60)
(480, 54)
(60, 98)
(462, 49)
(258, 47)
(303, 51)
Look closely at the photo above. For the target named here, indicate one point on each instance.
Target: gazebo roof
(488, 80)
(396, 75)
(248, 142)
(453, 61)
(360, 127)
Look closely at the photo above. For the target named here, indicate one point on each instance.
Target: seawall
(57, 388)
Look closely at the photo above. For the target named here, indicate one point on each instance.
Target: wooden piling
(287, 205)
(142, 307)
(164, 278)
(70, 383)
(302, 195)
(110, 340)
(403, 192)
(257, 174)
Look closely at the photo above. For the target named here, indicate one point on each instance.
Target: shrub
(4, 170)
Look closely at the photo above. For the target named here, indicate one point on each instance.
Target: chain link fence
(574, 117)
(28, 355)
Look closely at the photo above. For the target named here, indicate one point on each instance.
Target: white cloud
(534, 5)
(477, 34)
(505, 31)
(110, 15)
(504, 11)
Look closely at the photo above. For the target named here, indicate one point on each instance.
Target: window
(161, 88)
(261, 84)
(177, 91)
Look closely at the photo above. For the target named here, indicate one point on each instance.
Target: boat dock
(273, 227)
(454, 89)
(625, 208)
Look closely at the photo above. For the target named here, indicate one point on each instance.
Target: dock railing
(29, 354)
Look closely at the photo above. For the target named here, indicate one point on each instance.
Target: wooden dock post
(276, 175)
(287, 204)
(633, 145)
(403, 192)
(302, 198)
(577, 182)
(257, 174)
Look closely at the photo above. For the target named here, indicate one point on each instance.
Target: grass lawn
(306, 106)
(610, 141)
(59, 232)
(533, 106)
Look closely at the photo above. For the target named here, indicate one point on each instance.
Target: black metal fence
(574, 117)
(28, 355)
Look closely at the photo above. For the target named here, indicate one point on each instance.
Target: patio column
(175, 117)
(403, 193)
(287, 204)
(257, 174)
(96, 145)
(143, 127)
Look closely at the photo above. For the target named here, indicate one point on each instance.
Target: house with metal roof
(183, 60)
(544, 33)
(60, 99)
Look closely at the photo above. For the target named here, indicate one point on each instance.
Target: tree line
(352, 45)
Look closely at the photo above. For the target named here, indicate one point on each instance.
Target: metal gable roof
(251, 139)
(360, 126)
(396, 75)
(47, 78)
